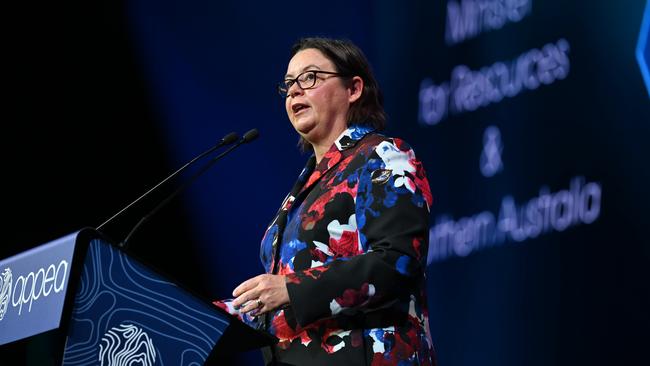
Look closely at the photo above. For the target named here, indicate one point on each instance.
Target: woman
(345, 256)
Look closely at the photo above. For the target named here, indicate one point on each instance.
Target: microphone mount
(248, 137)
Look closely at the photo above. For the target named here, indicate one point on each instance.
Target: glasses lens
(283, 88)
(307, 80)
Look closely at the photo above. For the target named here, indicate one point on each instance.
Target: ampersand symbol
(490, 162)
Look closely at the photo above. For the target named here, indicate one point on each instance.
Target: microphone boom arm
(248, 137)
(226, 140)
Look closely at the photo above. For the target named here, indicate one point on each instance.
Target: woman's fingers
(246, 285)
(261, 294)
(255, 307)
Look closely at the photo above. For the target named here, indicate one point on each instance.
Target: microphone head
(229, 138)
(250, 135)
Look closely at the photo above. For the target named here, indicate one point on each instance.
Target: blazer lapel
(281, 217)
(310, 175)
(337, 153)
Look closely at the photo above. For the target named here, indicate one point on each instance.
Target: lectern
(114, 309)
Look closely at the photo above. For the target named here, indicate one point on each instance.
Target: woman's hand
(261, 294)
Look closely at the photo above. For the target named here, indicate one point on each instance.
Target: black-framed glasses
(305, 80)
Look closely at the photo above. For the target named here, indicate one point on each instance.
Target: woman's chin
(304, 127)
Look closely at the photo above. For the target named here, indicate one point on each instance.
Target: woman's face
(320, 113)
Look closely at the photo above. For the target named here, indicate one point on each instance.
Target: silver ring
(260, 304)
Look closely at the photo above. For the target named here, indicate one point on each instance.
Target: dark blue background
(111, 97)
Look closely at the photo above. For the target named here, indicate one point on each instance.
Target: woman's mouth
(298, 107)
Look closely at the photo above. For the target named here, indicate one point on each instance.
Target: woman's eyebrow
(310, 66)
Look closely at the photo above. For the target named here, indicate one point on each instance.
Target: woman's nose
(294, 90)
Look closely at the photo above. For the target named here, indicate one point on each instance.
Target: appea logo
(5, 291)
(22, 291)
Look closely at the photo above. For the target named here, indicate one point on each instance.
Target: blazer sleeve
(392, 218)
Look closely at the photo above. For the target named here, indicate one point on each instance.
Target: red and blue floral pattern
(352, 238)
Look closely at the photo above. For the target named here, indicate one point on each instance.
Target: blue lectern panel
(125, 314)
(33, 287)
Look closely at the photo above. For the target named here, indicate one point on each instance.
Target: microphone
(226, 140)
(248, 137)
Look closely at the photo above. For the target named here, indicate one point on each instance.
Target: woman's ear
(356, 89)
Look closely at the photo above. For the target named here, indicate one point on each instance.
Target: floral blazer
(351, 238)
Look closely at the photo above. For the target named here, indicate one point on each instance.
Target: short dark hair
(349, 60)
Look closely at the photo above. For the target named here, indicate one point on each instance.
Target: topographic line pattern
(119, 297)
